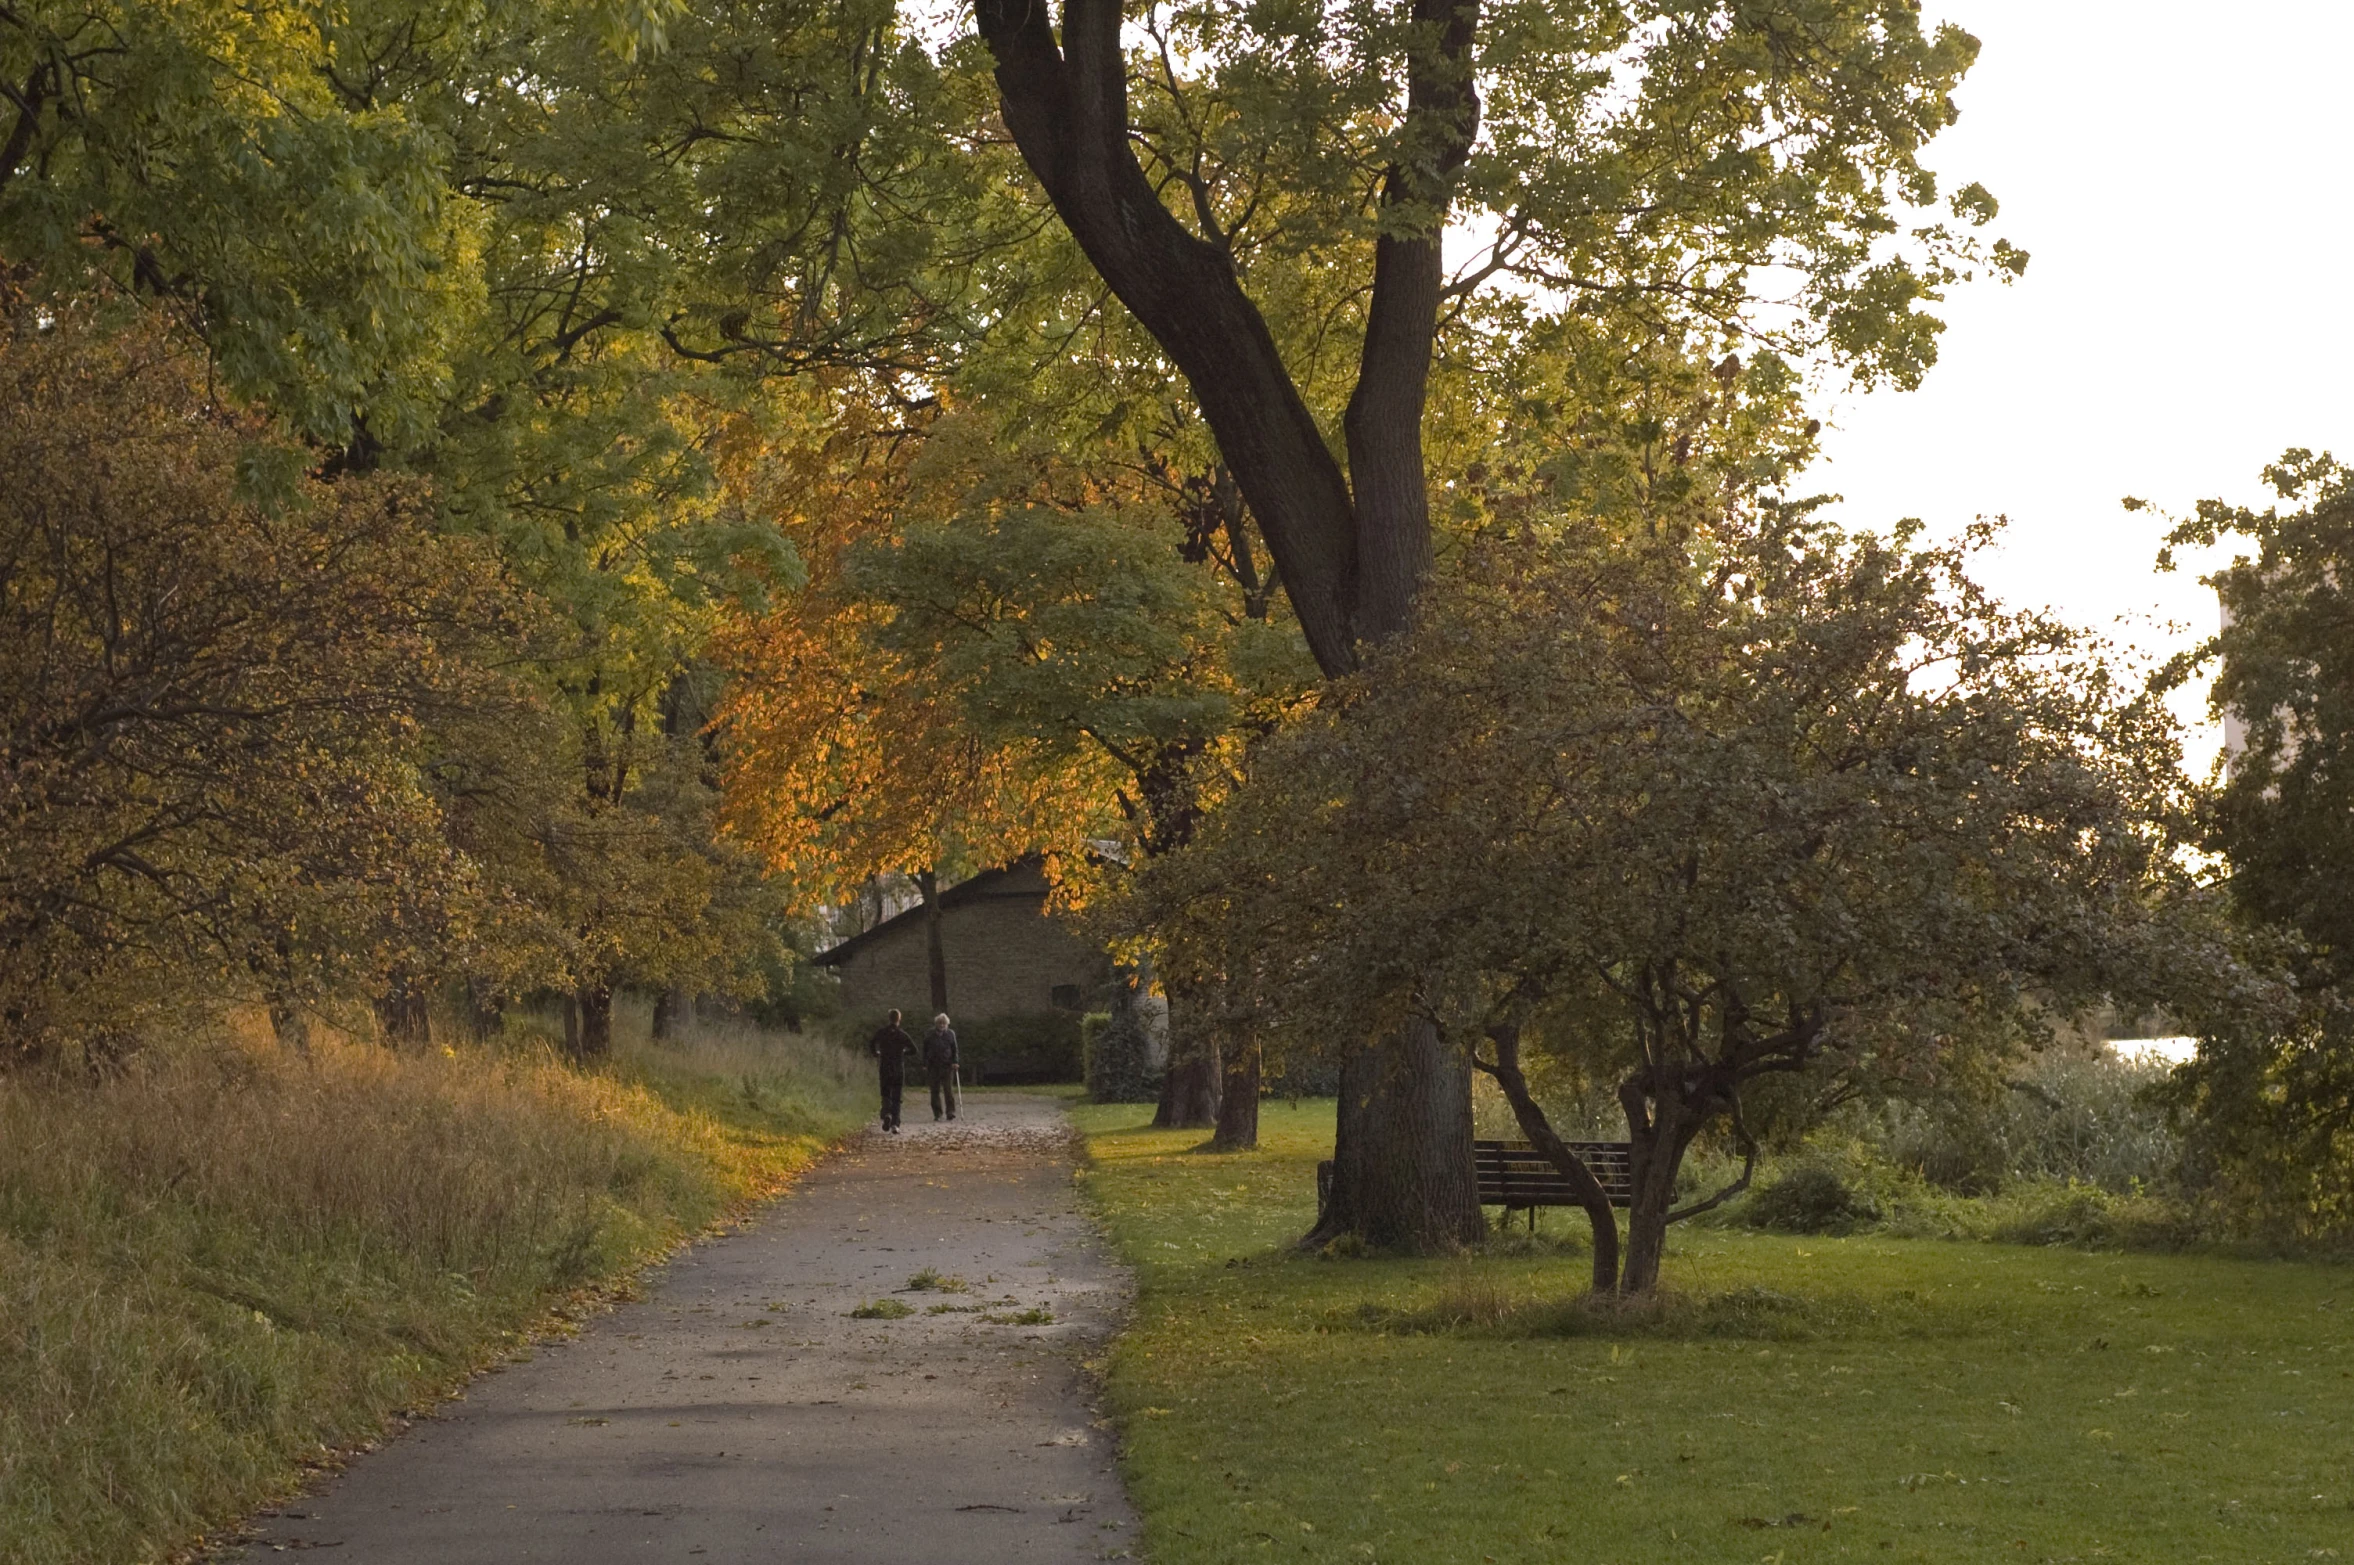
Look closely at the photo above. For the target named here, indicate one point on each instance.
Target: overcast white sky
(2183, 176)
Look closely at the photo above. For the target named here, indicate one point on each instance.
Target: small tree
(2270, 1098)
(1714, 802)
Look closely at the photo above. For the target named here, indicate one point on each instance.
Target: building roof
(1018, 880)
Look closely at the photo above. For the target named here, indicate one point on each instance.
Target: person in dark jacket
(940, 1065)
(891, 1046)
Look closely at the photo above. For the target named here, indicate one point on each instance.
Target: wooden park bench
(1516, 1176)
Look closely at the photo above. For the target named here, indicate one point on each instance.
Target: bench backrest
(1515, 1173)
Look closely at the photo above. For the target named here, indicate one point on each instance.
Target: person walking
(940, 1064)
(891, 1046)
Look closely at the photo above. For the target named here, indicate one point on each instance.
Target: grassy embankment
(219, 1267)
(1804, 1399)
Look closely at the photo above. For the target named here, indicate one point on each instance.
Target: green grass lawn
(1807, 1399)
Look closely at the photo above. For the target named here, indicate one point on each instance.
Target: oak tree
(1661, 161)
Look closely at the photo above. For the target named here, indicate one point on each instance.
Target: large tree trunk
(1238, 1096)
(1383, 426)
(402, 1019)
(672, 1008)
(1402, 1177)
(593, 1037)
(1350, 563)
(1066, 104)
(935, 948)
(1189, 1093)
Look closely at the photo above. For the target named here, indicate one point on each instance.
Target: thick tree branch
(1748, 1167)
(1384, 421)
(1067, 108)
(1592, 1198)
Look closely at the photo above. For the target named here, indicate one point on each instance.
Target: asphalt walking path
(738, 1411)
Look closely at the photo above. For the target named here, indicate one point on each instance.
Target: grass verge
(1793, 1400)
(223, 1266)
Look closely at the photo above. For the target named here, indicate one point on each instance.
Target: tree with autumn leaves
(848, 760)
(881, 459)
(999, 652)
(1650, 165)
(528, 269)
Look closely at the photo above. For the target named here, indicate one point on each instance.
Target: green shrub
(797, 993)
(2067, 1116)
(2087, 1216)
(1900, 1203)
(1811, 1199)
(1027, 1046)
(1118, 1058)
(2075, 1215)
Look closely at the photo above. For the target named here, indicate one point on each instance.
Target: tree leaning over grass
(1706, 804)
(540, 257)
(1643, 159)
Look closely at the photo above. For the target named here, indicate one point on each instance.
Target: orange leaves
(846, 756)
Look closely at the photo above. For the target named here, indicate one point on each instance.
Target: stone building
(1018, 978)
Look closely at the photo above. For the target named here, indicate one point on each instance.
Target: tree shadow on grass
(1472, 1305)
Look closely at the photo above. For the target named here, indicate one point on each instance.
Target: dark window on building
(1069, 997)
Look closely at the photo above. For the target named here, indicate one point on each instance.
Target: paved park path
(738, 1413)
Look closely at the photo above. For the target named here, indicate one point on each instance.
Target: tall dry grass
(226, 1258)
